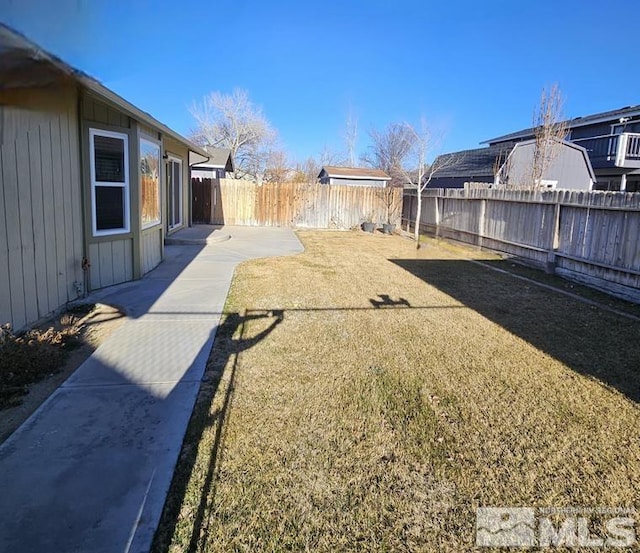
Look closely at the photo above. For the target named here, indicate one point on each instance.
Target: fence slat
(588, 236)
(301, 205)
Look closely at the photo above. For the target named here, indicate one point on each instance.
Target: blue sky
(473, 68)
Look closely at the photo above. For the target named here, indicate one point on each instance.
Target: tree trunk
(418, 216)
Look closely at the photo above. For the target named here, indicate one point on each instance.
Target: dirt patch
(92, 329)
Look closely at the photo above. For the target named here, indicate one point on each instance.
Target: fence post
(437, 216)
(481, 222)
(554, 243)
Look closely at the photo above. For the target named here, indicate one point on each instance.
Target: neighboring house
(353, 176)
(90, 184)
(612, 140)
(219, 165)
(511, 164)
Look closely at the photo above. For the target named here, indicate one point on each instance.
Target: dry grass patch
(330, 424)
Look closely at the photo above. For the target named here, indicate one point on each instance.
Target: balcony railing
(616, 150)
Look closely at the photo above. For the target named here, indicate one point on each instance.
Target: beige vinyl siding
(111, 262)
(111, 256)
(41, 229)
(98, 112)
(173, 148)
(151, 248)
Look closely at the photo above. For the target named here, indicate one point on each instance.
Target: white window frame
(148, 140)
(95, 183)
(174, 159)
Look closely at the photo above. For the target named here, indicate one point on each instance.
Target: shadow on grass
(227, 347)
(590, 341)
(230, 342)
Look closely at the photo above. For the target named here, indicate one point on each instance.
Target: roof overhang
(24, 64)
(632, 112)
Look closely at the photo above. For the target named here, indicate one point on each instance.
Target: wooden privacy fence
(238, 202)
(591, 237)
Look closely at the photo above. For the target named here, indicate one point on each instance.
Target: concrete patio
(90, 469)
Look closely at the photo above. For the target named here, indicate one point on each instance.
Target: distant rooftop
(220, 158)
(628, 111)
(480, 162)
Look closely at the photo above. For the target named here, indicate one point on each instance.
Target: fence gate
(201, 200)
(217, 213)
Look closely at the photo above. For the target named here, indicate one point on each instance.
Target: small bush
(32, 356)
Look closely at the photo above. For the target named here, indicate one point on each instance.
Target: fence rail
(591, 237)
(238, 202)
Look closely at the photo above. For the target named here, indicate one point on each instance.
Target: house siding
(174, 149)
(111, 262)
(151, 249)
(355, 182)
(569, 168)
(114, 258)
(41, 233)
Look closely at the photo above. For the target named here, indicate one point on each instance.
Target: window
(150, 182)
(109, 164)
(174, 195)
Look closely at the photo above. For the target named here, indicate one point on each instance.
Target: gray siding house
(90, 184)
(353, 176)
(612, 141)
(510, 163)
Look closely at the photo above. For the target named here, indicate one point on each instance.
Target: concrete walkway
(90, 469)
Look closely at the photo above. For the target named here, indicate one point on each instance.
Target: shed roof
(353, 172)
(24, 64)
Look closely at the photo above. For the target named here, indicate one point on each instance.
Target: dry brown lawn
(365, 396)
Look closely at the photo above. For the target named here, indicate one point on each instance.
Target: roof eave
(18, 41)
(122, 104)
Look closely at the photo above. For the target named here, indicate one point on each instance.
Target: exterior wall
(569, 168)
(40, 204)
(355, 182)
(111, 262)
(175, 149)
(201, 172)
(113, 259)
(151, 248)
(123, 257)
(588, 131)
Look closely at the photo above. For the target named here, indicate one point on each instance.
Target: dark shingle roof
(480, 162)
(628, 111)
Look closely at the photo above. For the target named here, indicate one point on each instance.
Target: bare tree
(306, 171)
(550, 129)
(389, 150)
(416, 169)
(351, 137)
(232, 121)
(277, 168)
